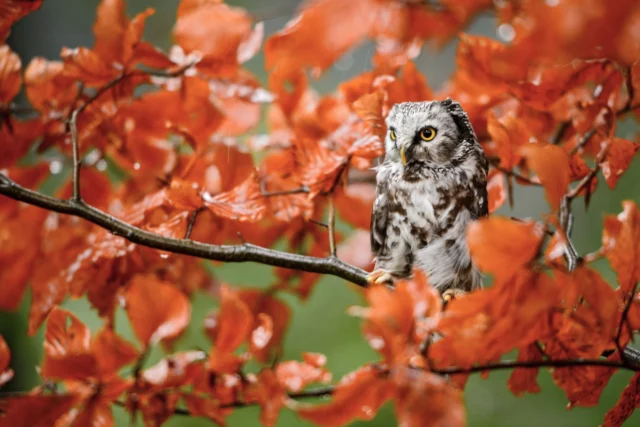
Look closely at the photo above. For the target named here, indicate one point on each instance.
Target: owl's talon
(379, 277)
(451, 294)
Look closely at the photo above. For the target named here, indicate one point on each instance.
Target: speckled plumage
(422, 207)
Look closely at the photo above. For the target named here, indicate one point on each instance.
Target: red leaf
(617, 160)
(278, 311)
(501, 246)
(629, 400)
(509, 134)
(242, 203)
(232, 325)
(108, 29)
(551, 164)
(319, 35)
(358, 396)
(85, 65)
(10, 79)
(112, 352)
(47, 88)
(496, 189)
(354, 203)
(65, 334)
(262, 334)
(295, 376)
(173, 371)
(5, 357)
(156, 309)
(34, 411)
(219, 43)
(205, 407)
(13, 10)
(524, 380)
(422, 398)
(621, 241)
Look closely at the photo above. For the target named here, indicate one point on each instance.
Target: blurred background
(321, 323)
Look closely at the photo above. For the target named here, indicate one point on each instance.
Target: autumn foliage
(196, 178)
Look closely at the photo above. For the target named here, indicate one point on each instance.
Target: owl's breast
(413, 207)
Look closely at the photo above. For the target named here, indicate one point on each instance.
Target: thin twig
(192, 221)
(77, 162)
(513, 364)
(623, 322)
(299, 190)
(559, 135)
(331, 227)
(515, 175)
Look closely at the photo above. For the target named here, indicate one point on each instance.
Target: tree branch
(512, 364)
(228, 253)
(331, 226)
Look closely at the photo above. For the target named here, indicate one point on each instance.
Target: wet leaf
(618, 159)
(551, 165)
(156, 309)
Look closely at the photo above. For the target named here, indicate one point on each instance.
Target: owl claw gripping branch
(432, 183)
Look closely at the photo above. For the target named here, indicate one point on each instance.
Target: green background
(321, 323)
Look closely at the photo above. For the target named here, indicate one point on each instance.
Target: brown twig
(331, 226)
(192, 221)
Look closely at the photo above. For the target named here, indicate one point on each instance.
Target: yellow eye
(427, 134)
(392, 134)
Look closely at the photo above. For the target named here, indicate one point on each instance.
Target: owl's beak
(402, 156)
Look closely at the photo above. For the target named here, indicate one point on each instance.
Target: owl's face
(431, 132)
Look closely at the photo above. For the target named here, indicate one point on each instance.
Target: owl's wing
(379, 219)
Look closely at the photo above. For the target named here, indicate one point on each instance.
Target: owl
(431, 184)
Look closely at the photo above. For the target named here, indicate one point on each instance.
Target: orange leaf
(47, 88)
(156, 309)
(523, 380)
(621, 241)
(369, 108)
(262, 334)
(34, 411)
(232, 325)
(112, 352)
(13, 10)
(269, 394)
(322, 32)
(242, 203)
(496, 189)
(205, 407)
(10, 78)
(5, 357)
(617, 160)
(501, 246)
(629, 400)
(65, 334)
(551, 164)
(85, 65)
(172, 371)
(278, 311)
(354, 203)
(509, 134)
(108, 29)
(422, 398)
(295, 376)
(358, 396)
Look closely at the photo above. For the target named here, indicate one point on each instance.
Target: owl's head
(433, 132)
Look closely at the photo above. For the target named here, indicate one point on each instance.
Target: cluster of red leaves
(544, 106)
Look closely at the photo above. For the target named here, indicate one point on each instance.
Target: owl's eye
(428, 133)
(392, 134)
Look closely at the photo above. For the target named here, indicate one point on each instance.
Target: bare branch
(228, 253)
(513, 364)
(192, 221)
